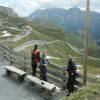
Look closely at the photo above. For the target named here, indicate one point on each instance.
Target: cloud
(25, 7)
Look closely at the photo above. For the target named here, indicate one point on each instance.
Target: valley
(54, 42)
(20, 34)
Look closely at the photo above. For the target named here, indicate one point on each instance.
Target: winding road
(23, 33)
(31, 43)
(79, 52)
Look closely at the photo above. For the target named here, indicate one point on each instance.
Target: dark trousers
(44, 78)
(71, 83)
(34, 67)
(70, 87)
(43, 72)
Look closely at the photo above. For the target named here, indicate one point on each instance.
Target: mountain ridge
(8, 11)
(71, 20)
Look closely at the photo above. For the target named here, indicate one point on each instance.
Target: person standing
(43, 65)
(35, 59)
(71, 74)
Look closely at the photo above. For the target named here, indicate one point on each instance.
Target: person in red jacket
(35, 59)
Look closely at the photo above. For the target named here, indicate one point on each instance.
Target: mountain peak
(7, 11)
(75, 9)
(72, 19)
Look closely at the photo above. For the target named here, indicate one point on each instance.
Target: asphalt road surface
(11, 89)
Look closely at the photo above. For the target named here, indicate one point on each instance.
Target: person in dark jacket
(35, 59)
(43, 64)
(71, 75)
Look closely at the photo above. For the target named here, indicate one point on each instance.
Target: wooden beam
(86, 41)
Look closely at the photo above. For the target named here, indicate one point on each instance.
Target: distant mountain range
(71, 20)
(46, 29)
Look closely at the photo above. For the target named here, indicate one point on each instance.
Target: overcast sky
(25, 7)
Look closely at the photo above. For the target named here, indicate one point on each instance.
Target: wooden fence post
(86, 41)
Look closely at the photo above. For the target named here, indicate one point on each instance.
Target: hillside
(50, 36)
(53, 32)
(90, 92)
(71, 20)
(57, 43)
(6, 11)
(10, 22)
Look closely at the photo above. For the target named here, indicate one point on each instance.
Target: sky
(26, 7)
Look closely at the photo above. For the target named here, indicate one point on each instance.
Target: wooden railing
(54, 72)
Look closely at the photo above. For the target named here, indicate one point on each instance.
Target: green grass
(40, 33)
(58, 49)
(15, 21)
(44, 30)
(61, 50)
(78, 41)
(53, 31)
(90, 92)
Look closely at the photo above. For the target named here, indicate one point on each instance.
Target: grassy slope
(58, 49)
(61, 50)
(78, 41)
(43, 33)
(90, 92)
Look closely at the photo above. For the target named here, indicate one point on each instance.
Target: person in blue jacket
(43, 65)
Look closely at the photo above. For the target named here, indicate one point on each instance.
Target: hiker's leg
(45, 78)
(69, 90)
(34, 69)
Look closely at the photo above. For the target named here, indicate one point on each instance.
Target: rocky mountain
(9, 20)
(7, 11)
(71, 20)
